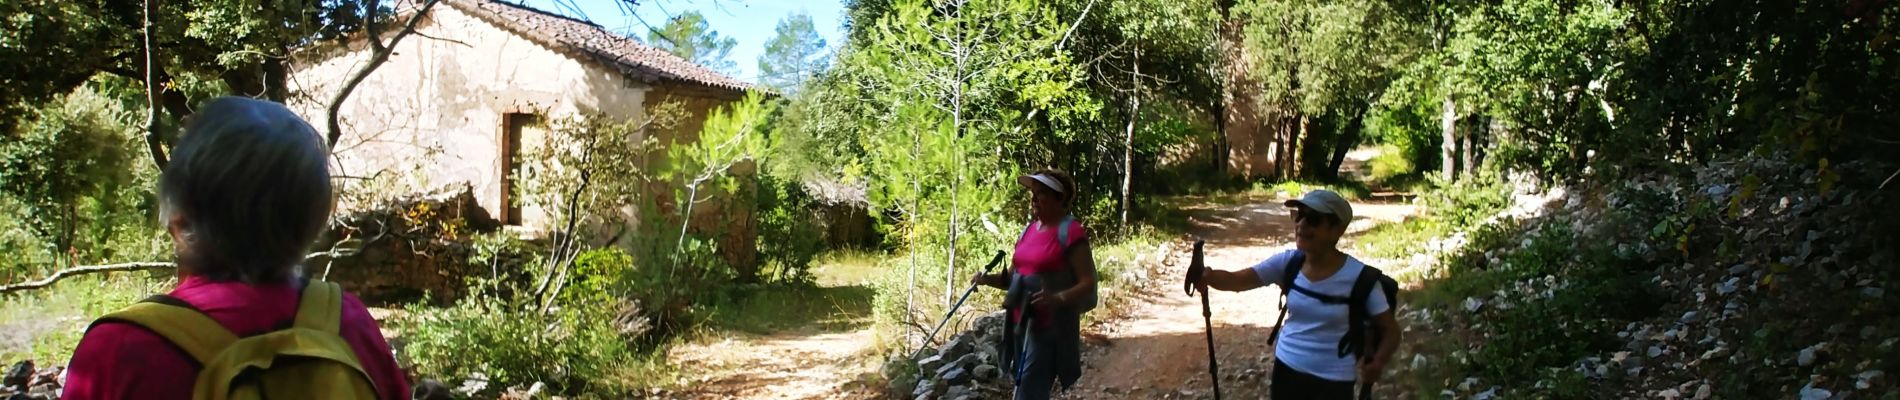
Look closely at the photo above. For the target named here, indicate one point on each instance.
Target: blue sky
(750, 22)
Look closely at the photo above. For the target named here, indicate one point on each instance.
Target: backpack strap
(179, 323)
(314, 336)
(1357, 319)
(1293, 265)
(321, 308)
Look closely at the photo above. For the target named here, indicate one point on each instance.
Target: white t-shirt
(1309, 340)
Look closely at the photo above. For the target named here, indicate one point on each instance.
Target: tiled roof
(590, 41)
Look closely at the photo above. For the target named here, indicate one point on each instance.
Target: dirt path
(818, 345)
(1160, 349)
(786, 365)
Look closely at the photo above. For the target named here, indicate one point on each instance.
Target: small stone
(1806, 357)
(987, 372)
(969, 360)
(1487, 395)
(1704, 392)
(926, 388)
(1473, 304)
(1814, 393)
(1670, 394)
(1867, 379)
(931, 363)
(1738, 269)
(958, 392)
(1655, 351)
(18, 375)
(957, 376)
(1728, 286)
(1688, 317)
(1467, 385)
(1873, 292)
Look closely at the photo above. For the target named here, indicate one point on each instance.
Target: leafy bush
(790, 236)
(512, 344)
(1465, 202)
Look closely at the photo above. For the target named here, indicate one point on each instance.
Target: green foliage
(790, 233)
(80, 189)
(569, 348)
(794, 55)
(46, 325)
(1467, 202)
(687, 35)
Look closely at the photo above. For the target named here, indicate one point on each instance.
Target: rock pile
(967, 366)
(23, 382)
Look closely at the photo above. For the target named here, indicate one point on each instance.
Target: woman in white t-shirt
(1307, 359)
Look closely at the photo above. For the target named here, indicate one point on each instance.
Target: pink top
(1037, 252)
(118, 360)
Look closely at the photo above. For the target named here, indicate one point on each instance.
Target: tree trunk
(1128, 142)
(152, 89)
(1347, 140)
(1468, 160)
(1448, 156)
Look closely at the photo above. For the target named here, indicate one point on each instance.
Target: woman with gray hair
(246, 192)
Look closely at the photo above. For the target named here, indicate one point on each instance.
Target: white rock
(1655, 351)
(1670, 394)
(1688, 317)
(1487, 395)
(1867, 379)
(1728, 286)
(1472, 304)
(1704, 392)
(1806, 357)
(1814, 393)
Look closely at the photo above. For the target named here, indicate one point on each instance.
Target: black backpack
(1360, 328)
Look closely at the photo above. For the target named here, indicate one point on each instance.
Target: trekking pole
(1207, 315)
(953, 309)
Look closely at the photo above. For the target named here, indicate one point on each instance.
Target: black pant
(1291, 384)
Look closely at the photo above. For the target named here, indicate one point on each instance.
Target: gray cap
(1327, 202)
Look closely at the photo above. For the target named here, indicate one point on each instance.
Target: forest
(1580, 198)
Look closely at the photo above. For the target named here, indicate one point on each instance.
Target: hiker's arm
(998, 281)
(1083, 261)
(1387, 345)
(1232, 281)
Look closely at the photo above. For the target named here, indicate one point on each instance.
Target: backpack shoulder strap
(314, 336)
(1062, 233)
(321, 308)
(178, 322)
(1293, 264)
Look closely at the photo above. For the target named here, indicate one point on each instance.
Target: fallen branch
(122, 267)
(90, 269)
(1883, 184)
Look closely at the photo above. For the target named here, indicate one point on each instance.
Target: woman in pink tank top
(1054, 256)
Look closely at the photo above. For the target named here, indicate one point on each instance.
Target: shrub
(790, 236)
(1465, 202)
(512, 344)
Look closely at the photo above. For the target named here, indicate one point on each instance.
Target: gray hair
(252, 181)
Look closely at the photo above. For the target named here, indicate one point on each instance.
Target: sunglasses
(1308, 216)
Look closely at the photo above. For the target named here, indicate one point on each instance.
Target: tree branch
(379, 54)
(121, 267)
(84, 270)
(1883, 184)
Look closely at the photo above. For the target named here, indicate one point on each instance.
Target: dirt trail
(785, 365)
(1160, 349)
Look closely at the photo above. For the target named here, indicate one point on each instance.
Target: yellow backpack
(306, 361)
